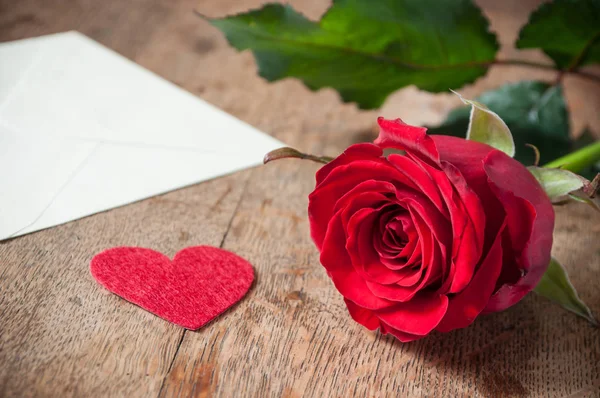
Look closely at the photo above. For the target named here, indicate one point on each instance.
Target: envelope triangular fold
(83, 130)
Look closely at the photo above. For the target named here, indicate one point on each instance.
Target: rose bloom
(430, 239)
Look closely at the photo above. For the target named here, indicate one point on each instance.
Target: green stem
(578, 160)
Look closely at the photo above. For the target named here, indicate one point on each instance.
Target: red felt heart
(200, 283)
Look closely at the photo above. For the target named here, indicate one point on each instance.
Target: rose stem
(287, 152)
(578, 160)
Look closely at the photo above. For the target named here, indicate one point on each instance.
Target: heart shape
(200, 282)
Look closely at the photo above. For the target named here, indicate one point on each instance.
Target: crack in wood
(229, 224)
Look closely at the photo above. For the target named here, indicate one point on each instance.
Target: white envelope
(83, 130)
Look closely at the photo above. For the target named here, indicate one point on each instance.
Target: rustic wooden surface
(63, 335)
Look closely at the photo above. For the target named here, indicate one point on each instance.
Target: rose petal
(389, 238)
(403, 293)
(405, 254)
(428, 244)
(412, 250)
(360, 151)
(468, 221)
(338, 183)
(333, 253)
(418, 316)
(433, 253)
(359, 245)
(412, 170)
(410, 276)
(399, 135)
(403, 337)
(429, 272)
(468, 198)
(530, 222)
(439, 226)
(468, 224)
(467, 157)
(363, 316)
(365, 200)
(354, 288)
(465, 306)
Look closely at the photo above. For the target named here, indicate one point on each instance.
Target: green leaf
(562, 185)
(535, 113)
(487, 127)
(368, 49)
(581, 196)
(556, 286)
(568, 31)
(590, 193)
(557, 183)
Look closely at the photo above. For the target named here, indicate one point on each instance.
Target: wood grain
(62, 335)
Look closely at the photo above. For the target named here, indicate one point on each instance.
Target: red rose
(430, 239)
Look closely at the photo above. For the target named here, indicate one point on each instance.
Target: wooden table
(61, 334)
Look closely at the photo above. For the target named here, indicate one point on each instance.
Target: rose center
(396, 238)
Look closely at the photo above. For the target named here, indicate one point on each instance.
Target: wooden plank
(61, 334)
(292, 337)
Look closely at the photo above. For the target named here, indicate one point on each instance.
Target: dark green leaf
(556, 286)
(367, 49)
(534, 111)
(567, 30)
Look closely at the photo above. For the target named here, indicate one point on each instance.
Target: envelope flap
(83, 130)
(35, 172)
(115, 175)
(23, 55)
(81, 89)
